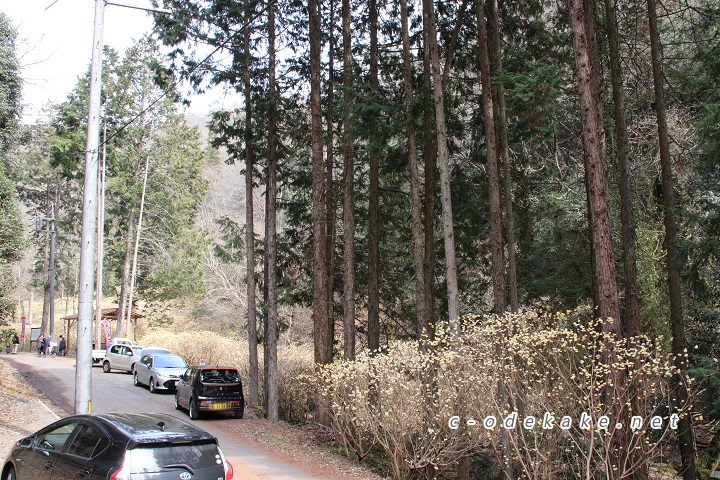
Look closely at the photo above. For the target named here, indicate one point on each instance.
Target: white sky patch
(55, 47)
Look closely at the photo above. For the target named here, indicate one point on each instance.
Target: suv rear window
(219, 375)
(150, 458)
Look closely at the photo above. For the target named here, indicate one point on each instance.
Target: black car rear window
(156, 458)
(219, 375)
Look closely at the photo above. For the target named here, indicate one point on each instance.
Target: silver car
(159, 371)
(121, 357)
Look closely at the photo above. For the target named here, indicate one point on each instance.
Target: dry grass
(294, 361)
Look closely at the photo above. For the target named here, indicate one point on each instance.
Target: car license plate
(220, 406)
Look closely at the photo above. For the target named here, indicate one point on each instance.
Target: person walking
(40, 345)
(15, 343)
(62, 345)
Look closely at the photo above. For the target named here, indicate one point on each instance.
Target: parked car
(117, 446)
(210, 389)
(155, 350)
(98, 354)
(121, 357)
(159, 371)
(124, 357)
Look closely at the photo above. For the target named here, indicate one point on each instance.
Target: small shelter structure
(106, 313)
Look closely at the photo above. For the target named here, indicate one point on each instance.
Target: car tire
(177, 402)
(192, 411)
(132, 368)
(238, 414)
(136, 382)
(106, 367)
(151, 385)
(10, 474)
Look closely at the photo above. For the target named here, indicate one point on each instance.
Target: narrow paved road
(115, 392)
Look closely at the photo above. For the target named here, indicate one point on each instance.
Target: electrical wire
(188, 73)
(48, 7)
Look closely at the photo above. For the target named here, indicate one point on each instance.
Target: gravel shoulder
(24, 408)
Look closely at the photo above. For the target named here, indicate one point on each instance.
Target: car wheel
(239, 413)
(151, 385)
(194, 414)
(10, 474)
(136, 382)
(106, 367)
(177, 402)
(132, 368)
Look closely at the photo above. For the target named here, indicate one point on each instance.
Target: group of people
(44, 347)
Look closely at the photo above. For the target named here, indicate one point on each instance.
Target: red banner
(22, 330)
(106, 329)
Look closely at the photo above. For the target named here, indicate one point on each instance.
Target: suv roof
(141, 428)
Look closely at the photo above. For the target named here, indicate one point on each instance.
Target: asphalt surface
(115, 392)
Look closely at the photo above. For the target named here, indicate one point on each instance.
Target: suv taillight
(226, 464)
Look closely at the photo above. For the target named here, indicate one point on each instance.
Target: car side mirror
(26, 442)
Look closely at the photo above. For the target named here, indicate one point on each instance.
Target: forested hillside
(482, 187)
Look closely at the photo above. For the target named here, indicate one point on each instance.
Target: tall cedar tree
(271, 322)
(597, 184)
(330, 227)
(632, 308)
(374, 196)
(421, 307)
(582, 15)
(453, 297)
(496, 240)
(496, 52)
(348, 192)
(631, 311)
(321, 318)
(677, 326)
(253, 396)
(430, 170)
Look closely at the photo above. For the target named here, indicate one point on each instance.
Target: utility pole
(50, 228)
(100, 250)
(83, 371)
(53, 234)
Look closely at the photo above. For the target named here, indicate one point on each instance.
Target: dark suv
(119, 446)
(210, 389)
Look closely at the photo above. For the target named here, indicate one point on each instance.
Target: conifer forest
(482, 208)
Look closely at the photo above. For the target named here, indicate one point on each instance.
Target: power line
(189, 72)
(48, 7)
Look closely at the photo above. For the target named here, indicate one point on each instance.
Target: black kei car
(118, 446)
(210, 389)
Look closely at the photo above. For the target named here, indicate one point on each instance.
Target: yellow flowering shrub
(548, 396)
